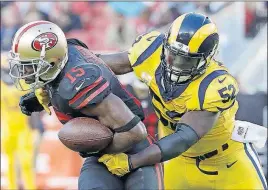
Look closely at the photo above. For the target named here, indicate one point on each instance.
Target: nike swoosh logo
(230, 165)
(221, 81)
(78, 87)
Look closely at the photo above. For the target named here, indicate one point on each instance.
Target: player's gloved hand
(29, 103)
(117, 164)
(43, 98)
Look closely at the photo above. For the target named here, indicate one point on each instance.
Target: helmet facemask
(179, 66)
(188, 48)
(30, 71)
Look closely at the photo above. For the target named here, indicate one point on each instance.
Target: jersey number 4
(227, 93)
(75, 72)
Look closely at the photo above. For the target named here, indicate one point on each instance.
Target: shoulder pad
(84, 85)
(144, 46)
(146, 37)
(76, 42)
(220, 94)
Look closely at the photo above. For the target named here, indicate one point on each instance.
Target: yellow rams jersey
(10, 110)
(214, 91)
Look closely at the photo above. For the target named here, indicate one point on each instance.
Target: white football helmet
(39, 52)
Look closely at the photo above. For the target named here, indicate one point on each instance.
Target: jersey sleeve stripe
(83, 92)
(93, 95)
(205, 83)
(150, 50)
(62, 117)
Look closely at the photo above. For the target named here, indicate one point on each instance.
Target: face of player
(180, 68)
(25, 70)
(180, 62)
(29, 70)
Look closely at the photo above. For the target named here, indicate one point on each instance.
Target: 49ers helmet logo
(48, 39)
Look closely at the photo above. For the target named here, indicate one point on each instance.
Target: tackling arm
(113, 112)
(118, 62)
(191, 128)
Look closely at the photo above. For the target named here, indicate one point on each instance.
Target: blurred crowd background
(34, 153)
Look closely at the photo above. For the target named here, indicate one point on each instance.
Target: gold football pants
(18, 145)
(235, 166)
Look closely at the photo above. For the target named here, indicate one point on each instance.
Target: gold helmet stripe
(175, 28)
(200, 36)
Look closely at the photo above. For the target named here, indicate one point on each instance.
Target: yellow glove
(43, 99)
(117, 164)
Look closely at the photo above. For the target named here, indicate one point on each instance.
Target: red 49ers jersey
(85, 81)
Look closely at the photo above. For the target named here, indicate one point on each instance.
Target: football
(84, 134)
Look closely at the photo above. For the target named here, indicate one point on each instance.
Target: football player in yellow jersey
(16, 137)
(194, 97)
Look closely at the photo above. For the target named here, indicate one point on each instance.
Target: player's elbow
(143, 131)
(139, 132)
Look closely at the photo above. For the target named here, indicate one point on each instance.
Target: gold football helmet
(39, 52)
(190, 43)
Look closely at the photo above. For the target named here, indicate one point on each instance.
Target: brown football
(84, 134)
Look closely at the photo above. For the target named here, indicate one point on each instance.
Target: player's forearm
(128, 128)
(125, 140)
(166, 148)
(118, 62)
(120, 143)
(147, 157)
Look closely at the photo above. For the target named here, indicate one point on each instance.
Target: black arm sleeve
(173, 145)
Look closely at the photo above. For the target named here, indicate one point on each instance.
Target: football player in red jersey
(79, 84)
